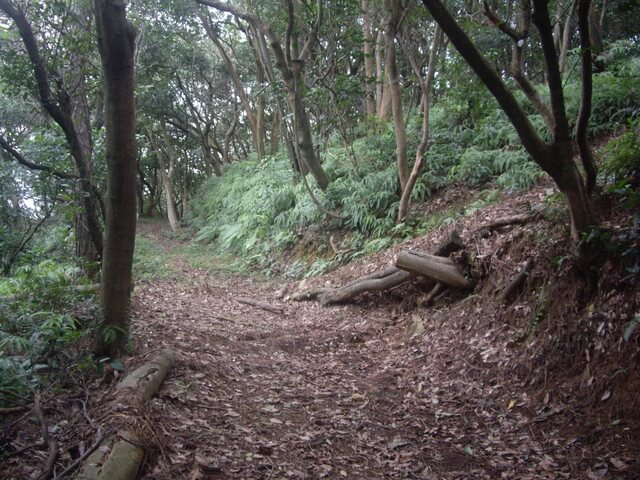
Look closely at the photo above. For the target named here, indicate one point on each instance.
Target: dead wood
(439, 269)
(520, 219)
(310, 294)
(120, 456)
(8, 410)
(381, 280)
(47, 440)
(263, 305)
(144, 382)
(438, 287)
(517, 282)
(376, 285)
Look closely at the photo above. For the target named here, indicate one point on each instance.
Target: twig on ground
(53, 445)
(78, 461)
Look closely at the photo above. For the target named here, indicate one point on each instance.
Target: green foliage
(621, 164)
(149, 261)
(43, 315)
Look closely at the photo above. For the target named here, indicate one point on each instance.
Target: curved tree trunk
(555, 158)
(116, 41)
(425, 87)
(60, 110)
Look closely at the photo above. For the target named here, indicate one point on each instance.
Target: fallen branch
(53, 445)
(8, 410)
(520, 219)
(517, 282)
(435, 291)
(382, 280)
(78, 461)
(376, 285)
(439, 269)
(263, 305)
(310, 294)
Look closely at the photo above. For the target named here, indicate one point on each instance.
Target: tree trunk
(60, 110)
(555, 158)
(439, 269)
(425, 87)
(381, 109)
(369, 78)
(254, 120)
(303, 130)
(116, 41)
(166, 177)
(584, 113)
(393, 23)
(566, 37)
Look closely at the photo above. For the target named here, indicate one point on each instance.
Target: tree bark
(369, 77)
(393, 25)
(116, 42)
(425, 88)
(555, 158)
(440, 269)
(586, 52)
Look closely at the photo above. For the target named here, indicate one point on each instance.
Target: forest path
(340, 392)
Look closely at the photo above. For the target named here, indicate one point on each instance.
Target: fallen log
(370, 285)
(374, 282)
(120, 456)
(263, 305)
(439, 269)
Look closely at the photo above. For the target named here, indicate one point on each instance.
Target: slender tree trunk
(275, 132)
(254, 119)
(425, 87)
(116, 41)
(166, 175)
(60, 110)
(395, 16)
(380, 81)
(566, 37)
(369, 78)
(585, 101)
(85, 248)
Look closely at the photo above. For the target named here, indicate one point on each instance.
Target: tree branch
(30, 165)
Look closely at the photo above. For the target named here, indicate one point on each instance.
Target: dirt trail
(341, 392)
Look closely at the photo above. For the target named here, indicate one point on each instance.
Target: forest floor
(383, 387)
(380, 388)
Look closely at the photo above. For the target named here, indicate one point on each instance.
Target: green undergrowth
(261, 214)
(42, 315)
(150, 262)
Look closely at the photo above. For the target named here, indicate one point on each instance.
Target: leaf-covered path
(342, 392)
